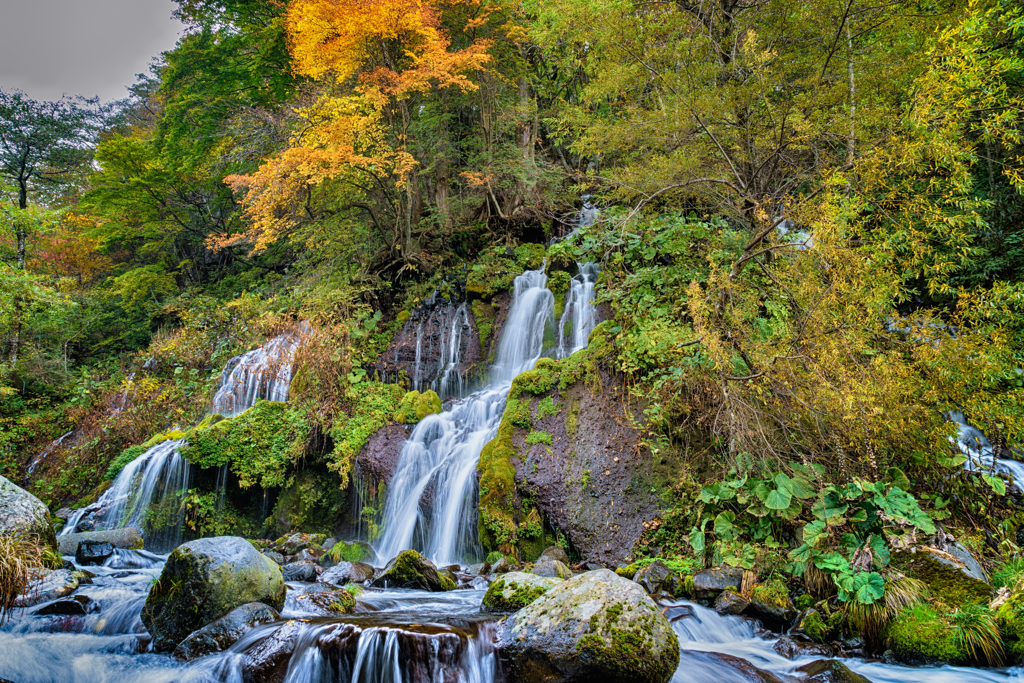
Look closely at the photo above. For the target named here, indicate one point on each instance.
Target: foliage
(20, 559)
(416, 406)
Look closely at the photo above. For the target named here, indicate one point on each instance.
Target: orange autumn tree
(350, 155)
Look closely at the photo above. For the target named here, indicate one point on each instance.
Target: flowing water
(265, 372)
(981, 454)
(579, 315)
(432, 502)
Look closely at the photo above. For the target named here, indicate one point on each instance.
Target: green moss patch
(416, 406)
(947, 585)
(373, 407)
(920, 631)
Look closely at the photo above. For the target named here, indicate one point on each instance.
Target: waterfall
(419, 358)
(579, 314)
(156, 479)
(431, 500)
(265, 372)
(451, 382)
(45, 453)
(981, 455)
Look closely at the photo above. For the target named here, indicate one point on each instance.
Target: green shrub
(121, 461)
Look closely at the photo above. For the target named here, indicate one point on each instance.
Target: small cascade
(452, 381)
(146, 495)
(981, 454)
(579, 315)
(588, 215)
(46, 452)
(417, 373)
(264, 373)
(431, 500)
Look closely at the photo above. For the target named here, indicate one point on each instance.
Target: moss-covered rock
(947, 584)
(1010, 617)
(224, 632)
(516, 590)
(495, 269)
(412, 570)
(205, 579)
(594, 627)
(357, 551)
(416, 406)
(22, 514)
(921, 634)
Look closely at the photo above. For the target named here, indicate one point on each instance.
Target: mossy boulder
(594, 627)
(345, 573)
(412, 570)
(221, 634)
(920, 635)
(551, 569)
(516, 590)
(947, 583)
(326, 603)
(1010, 617)
(22, 514)
(299, 542)
(416, 406)
(203, 580)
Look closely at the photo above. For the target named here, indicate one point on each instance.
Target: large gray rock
(516, 590)
(555, 554)
(93, 552)
(299, 571)
(718, 579)
(657, 578)
(22, 514)
(221, 634)
(595, 627)
(412, 570)
(127, 538)
(552, 569)
(204, 580)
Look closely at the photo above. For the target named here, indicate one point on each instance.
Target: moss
(497, 268)
(621, 652)
(572, 419)
(402, 317)
(373, 406)
(521, 595)
(261, 444)
(537, 436)
(815, 627)
(946, 584)
(416, 406)
(447, 584)
(350, 552)
(344, 603)
(546, 407)
(170, 435)
(920, 631)
(483, 315)
(1010, 617)
(774, 593)
(537, 381)
(121, 461)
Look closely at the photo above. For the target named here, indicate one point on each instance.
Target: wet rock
(480, 583)
(50, 586)
(830, 671)
(296, 542)
(76, 605)
(412, 570)
(717, 579)
(516, 590)
(310, 555)
(447, 573)
(326, 602)
(555, 554)
(275, 556)
(221, 634)
(656, 578)
(958, 557)
(300, 571)
(594, 627)
(23, 514)
(379, 456)
(478, 569)
(268, 661)
(93, 552)
(347, 572)
(552, 569)
(731, 603)
(774, 608)
(791, 648)
(205, 579)
(329, 543)
(708, 666)
(127, 538)
(502, 566)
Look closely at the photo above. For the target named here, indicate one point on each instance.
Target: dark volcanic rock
(222, 633)
(731, 603)
(268, 661)
(830, 671)
(76, 605)
(592, 440)
(379, 456)
(791, 648)
(93, 552)
(300, 571)
(656, 578)
(718, 579)
(412, 570)
(707, 666)
(203, 580)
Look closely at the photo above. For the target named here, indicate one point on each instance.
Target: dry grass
(872, 619)
(21, 557)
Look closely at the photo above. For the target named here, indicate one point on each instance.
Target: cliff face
(569, 452)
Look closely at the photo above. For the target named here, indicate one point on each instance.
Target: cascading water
(431, 503)
(153, 482)
(981, 454)
(265, 372)
(451, 383)
(579, 315)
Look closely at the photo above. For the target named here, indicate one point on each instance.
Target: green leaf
(814, 532)
(869, 587)
(778, 500)
(953, 461)
(996, 483)
(697, 539)
(724, 528)
(898, 478)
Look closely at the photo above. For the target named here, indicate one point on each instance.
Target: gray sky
(81, 47)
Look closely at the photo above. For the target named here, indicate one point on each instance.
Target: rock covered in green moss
(830, 671)
(205, 579)
(299, 542)
(345, 573)
(920, 634)
(416, 406)
(947, 582)
(1010, 617)
(326, 602)
(594, 627)
(22, 514)
(516, 590)
(412, 570)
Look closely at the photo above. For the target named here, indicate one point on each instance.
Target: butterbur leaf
(879, 550)
(814, 532)
(724, 528)
(953, 461)
(802, 553)
(859, 515)
(832, 563)
(898, 478)
(996, 483)
(868, 587)
(778, 500)
(697, 540)
(831, 508)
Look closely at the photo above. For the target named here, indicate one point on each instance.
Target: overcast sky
(81, 47)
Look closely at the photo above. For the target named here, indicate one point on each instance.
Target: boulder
(50, 586)
(76, 605)
(309, 555)
(830, 671)
(93, 552)
(717, 666)
(345, 573)
(478, 569)
(772, 605)
(221, 634)
(268, 661)
(960, 558)
(300, 571)
(357, 551)
(412, 570)
(717, 579)
(516, 590)
(594, 627)
(205, 579)
(657, 578)
(275, 556)
(330, 602)
(731, 603)
(22, 514)
(502, 566)
(555, 554)
(552, 569)
(127, 538)
(296, 542)
(791, 648)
